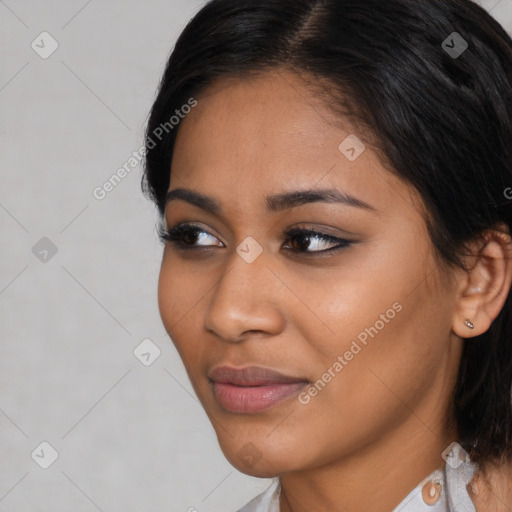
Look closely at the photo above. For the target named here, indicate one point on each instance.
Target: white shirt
(442, 491)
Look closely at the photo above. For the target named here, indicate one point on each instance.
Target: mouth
(252, 389)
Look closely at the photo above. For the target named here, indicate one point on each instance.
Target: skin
(380, 425)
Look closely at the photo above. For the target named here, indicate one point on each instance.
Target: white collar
(442, 491)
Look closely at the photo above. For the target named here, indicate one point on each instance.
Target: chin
(261, 469)
(262, 462)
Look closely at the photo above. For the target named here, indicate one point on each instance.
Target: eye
(187, 236)
(303, 241)
(311, 241)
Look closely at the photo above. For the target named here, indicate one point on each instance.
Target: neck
(378, 477)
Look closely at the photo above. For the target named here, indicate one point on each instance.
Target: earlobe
(484, 287)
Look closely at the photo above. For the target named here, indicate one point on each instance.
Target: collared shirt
(442, 491)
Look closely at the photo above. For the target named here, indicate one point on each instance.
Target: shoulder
(491, 489)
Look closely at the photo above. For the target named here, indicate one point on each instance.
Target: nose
(247, 298)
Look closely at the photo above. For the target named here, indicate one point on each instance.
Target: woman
(333, 184)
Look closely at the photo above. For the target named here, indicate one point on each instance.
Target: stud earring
(469, 324)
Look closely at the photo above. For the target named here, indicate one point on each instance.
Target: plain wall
(129, 437)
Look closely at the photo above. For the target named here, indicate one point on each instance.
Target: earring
(469, 324)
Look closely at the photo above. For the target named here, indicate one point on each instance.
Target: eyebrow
(274, 203)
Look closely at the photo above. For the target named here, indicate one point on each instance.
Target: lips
(252, 389)
(251, 376)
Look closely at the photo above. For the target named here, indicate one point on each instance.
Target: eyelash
(175, 235)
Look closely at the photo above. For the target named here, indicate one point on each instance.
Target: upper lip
(250, 376)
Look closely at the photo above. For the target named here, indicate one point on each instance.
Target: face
(339, 290)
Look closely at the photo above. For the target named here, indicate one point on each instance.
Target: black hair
(440, 111)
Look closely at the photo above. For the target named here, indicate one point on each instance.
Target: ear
(484, 287)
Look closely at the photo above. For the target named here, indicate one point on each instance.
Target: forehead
(274, 114)
(267, 133)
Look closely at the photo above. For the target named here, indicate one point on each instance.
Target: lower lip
(249, 399)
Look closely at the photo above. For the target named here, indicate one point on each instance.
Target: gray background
(129, 437)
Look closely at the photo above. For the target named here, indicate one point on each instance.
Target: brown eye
(188, 236)
(309, 241)
(302, 242)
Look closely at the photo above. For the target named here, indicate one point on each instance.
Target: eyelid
(192, 225)
(320, 229)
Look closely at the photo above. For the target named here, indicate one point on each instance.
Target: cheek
(361, 300)
(168, 303)
(180, 290)
(178, 299)
(377, 332)
(179, 302)
(363, 390)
